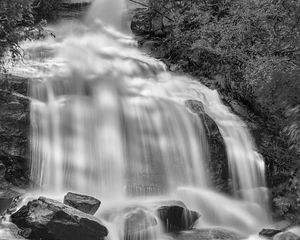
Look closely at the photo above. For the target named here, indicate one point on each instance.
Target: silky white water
(110, 121)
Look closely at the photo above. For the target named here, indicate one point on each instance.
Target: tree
(17, 24)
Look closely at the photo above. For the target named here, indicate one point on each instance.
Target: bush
(252, 49)
(45, 9)
(253, 45)
(17, 24)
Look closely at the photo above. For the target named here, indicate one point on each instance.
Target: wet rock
(83, 203)
(286, 236)
(139, 223)
(175, 216)
(14, 130)
(49, 219)
(207, 234)
(8, 201)
(269, 233)
(9, 231)
(195, 106)
(219, 163)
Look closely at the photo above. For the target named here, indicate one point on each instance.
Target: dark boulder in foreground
(177, 217)
(48, 219)
(83, 203)
(269, 233)
(207, 234)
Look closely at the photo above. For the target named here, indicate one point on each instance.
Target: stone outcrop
(219, 162)
(14, 131)
(269, 233)
(139, 224)
(175, 216)
(86, 204)
(49, 219)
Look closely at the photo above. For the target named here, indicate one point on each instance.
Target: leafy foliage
(45, 9)
(17, 23)
(287, 201)
(252, 48)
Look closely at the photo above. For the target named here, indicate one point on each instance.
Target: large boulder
(218, 164)
(139, 224)
(51, 220)
(175, 216)
(269, 233)
(207, 234)
(86, 204)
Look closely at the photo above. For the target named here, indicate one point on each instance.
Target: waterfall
(110, 121)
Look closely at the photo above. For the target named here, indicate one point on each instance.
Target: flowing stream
(110, 121)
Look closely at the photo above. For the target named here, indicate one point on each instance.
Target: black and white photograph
(150, 119)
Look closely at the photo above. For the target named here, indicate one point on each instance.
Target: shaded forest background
(247, 49)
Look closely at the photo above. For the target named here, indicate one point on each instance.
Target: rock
(139, 223)
(176, 216)
(269, 233)
(286, 236)
(83, 203)
(149, 46)
(9, 231)
(218, 164)
(50, 219)
(294, 228)
(195, 106)
(8, 201)
(14, 130)
(207, 234)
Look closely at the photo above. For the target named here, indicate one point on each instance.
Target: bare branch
(145, 5)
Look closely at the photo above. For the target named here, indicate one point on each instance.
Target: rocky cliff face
(14, 132)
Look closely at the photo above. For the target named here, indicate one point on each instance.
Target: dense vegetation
(22, 20)
(250, 48)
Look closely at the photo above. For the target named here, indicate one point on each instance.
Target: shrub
(17, 24)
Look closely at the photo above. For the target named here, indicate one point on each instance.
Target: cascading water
(110, 121)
